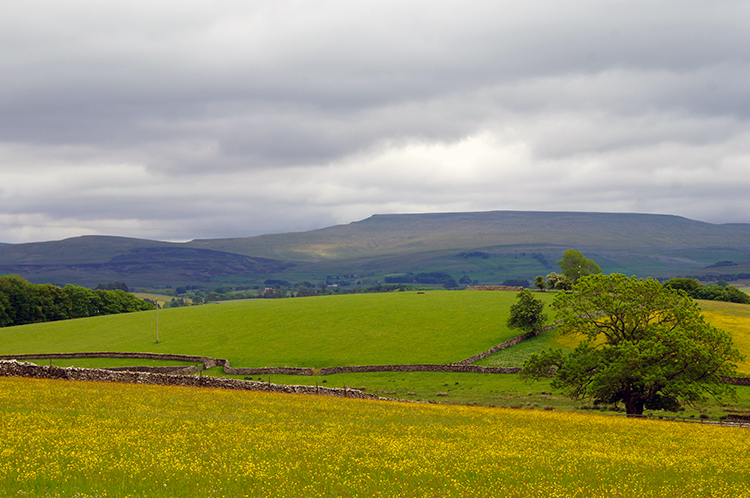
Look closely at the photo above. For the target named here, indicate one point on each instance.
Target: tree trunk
(634, 406)
(633, 403)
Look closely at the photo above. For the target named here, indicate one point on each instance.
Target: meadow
(401, 327)
(735, 319)
(77, 439)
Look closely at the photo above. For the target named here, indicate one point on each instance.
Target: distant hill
(487, 247)
(90, 260)
(408, 233)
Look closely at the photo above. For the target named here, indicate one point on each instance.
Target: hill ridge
(645, 244)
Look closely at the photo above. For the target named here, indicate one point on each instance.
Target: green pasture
(111, 362)
(516, 356)
(353, 329)
(359, 329)
(498, 390)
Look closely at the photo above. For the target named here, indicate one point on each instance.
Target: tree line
(715, 292)
(22, 302)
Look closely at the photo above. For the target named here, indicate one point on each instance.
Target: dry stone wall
(208, 362)
(163, 370)
(495, 288)
(211, 362)
(499, 347)
(268, 371)
(13, 368)
(419, 368)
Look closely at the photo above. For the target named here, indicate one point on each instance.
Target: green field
(359, 329)
(83, 439)
(356, 329)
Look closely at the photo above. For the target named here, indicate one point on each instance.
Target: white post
(157, 321)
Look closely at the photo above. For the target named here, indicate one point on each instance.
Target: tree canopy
(574, 265)
(527, 314)
(22, 302)
(557, 281)
(645, 345)
(696, 290)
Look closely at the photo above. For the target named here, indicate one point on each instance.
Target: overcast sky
(176, 120)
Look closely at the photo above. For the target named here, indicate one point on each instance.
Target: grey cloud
(327, 111)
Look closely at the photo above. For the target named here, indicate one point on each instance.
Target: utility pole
(157, 320)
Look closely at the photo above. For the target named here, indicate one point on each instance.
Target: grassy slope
(437, 327)
(404, 327)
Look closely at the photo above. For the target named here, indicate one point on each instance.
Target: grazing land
(401, 327)
(321, 331)
(93, 439)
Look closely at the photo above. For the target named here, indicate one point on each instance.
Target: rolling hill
(487, 247)
(320, 331)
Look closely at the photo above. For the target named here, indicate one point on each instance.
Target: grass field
(403, 327)
(499, 390)
(735, 319)
(75, 439)
(357, 329)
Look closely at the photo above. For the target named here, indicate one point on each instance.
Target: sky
(177, 120)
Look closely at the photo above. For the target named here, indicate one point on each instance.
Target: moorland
(484, 247)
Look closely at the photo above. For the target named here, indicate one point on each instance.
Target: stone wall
(499, 347)
(268, 371)
(495, 288)
(13, 368)
(207, 362)
(419, 368)
(176, 370)
(506, 344)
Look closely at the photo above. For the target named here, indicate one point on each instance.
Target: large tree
(575, 265)
(645, 345)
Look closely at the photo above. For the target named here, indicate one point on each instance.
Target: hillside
(91, 260)
(409, 233)
(488, 247)
(321, 331)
